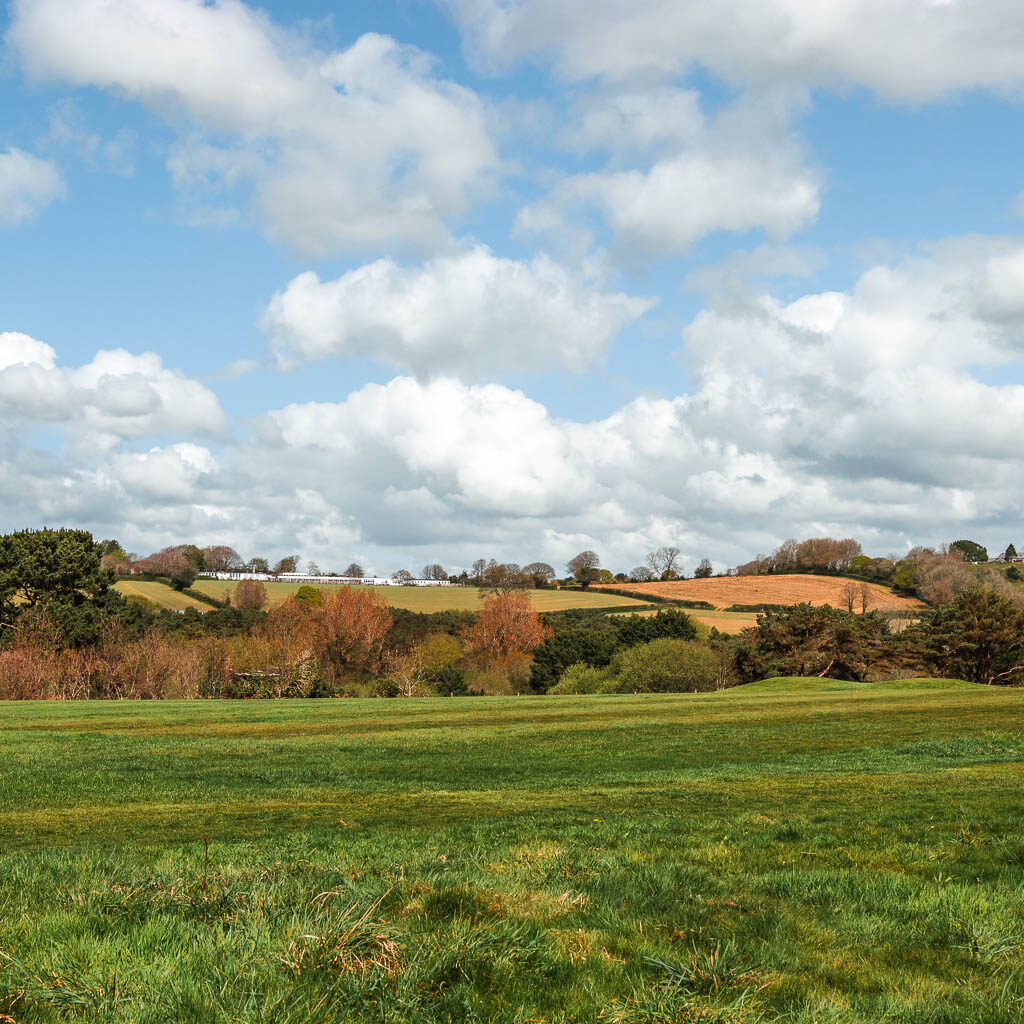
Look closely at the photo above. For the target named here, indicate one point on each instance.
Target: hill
(440, 599)
(786, 589)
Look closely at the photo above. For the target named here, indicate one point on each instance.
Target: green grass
(795, 850)
(440, 599)
(160, 594)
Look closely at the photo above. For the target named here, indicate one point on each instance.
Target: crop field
(160, 594)
(795, 850)
(725, 591)
(438, 599)
(724, 622)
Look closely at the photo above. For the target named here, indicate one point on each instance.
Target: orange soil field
(796, 588)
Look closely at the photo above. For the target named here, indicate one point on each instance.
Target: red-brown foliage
(506, 623)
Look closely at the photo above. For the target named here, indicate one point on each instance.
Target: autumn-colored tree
(350, 630)
(249, 596)
(506, 623)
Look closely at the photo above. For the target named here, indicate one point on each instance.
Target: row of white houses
(302, 577)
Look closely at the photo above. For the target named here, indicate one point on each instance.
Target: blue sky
(413, 282)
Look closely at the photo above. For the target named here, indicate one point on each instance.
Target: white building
(302, 577)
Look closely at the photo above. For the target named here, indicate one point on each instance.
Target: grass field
(439, 599)
(786, 589)
(797, 850)
(724, 622)
(160, 594)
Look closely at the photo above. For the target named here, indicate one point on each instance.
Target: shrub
(666, 665)
(249, 596)
(583, 678)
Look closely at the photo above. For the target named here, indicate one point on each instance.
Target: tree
(434, 572)
(312, 569)
(351, 625)
(642, 629)
(221, 558)
(290, 563)
(584, 567)
(479, 568)
(642, 574)
(506, 623)
(402, 576)
(249, 596)
(257, 564)
(39, 567)
(972, 551)
(542, 573)
(666, 665)
(500, 576)
(1010, 553)
(978, 636)
(808, 641)
(308, 594)
(664, 560)
(591, 647)
(354, 570)
(704, 570)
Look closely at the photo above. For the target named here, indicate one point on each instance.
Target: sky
(427, 281)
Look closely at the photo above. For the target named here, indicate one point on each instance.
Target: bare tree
(402, 576)
(479, 568)
(249, 596)
(664, 561)
(643, 574)
(584, 567)
(221, 558)
(290, 563)
(704, 570)
(541, 572)
(865, 597)
(354, 570)
(434, 572)
(850, 595)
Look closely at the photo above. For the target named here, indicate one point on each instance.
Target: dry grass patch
(785, 589)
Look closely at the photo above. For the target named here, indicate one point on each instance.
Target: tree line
(65, 633)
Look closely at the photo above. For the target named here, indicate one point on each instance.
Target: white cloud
(115, 395)
(28, 184)
(869, 412)
(343, 150)
(675, 175)
(907, 50)
(471, 314)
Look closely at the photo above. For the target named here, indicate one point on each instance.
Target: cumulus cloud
(115, 395)
(906, 50)
(675, 175)
(869, 412)
(28, 185)
(472, 314)
(342, 150)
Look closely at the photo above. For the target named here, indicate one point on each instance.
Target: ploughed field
(785, 589)
(797, 850)
(438, 599)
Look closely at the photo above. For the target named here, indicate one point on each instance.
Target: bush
(666, 665)
(583, 678)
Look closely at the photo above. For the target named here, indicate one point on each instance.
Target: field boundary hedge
(659, 599)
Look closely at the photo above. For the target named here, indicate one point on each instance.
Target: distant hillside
(795, 588)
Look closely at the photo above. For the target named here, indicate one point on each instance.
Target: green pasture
(437, 599)
(795, 850)
(160, 594)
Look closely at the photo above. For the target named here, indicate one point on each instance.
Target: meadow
(794, 850)
(438, 599)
